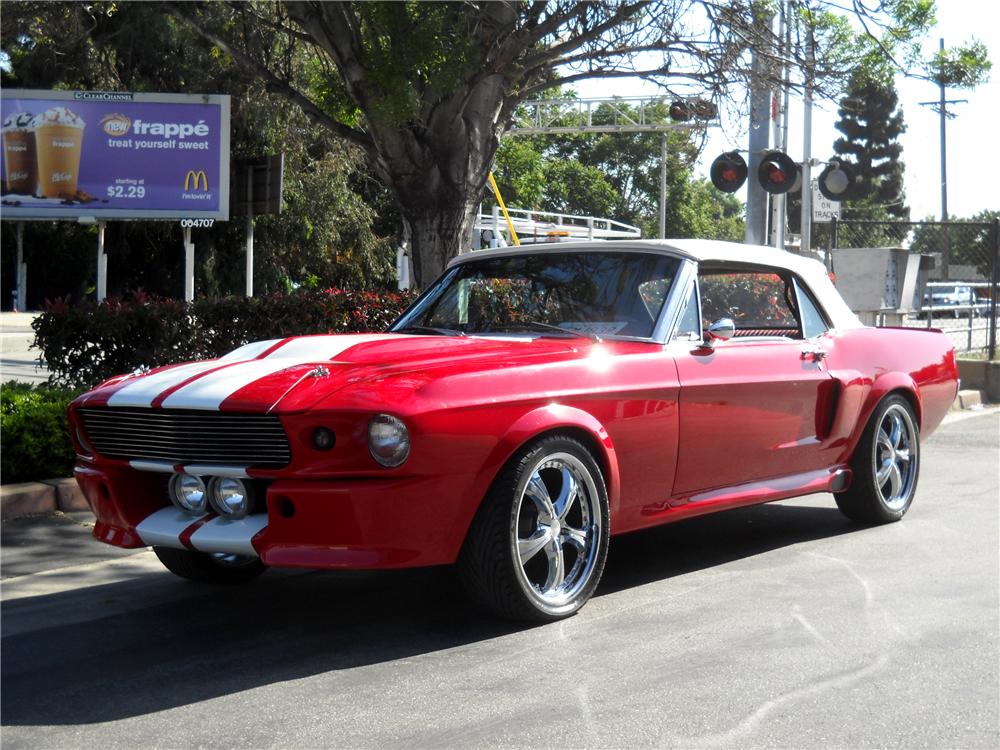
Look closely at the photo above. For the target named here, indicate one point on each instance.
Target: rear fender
(882, 387)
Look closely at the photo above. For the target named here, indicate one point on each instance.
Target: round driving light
(323, 439)
(388, 440)
(229, 496)
(188, 493)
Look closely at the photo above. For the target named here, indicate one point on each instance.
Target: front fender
(547, 419)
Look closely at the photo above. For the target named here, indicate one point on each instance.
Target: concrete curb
(981, 375)
(968, 399)
(31, 498)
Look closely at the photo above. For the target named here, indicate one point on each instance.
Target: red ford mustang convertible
(528, 405)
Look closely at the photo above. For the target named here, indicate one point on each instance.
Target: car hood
(294, 374)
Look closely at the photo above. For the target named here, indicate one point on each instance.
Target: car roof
(698, 250)
(705, 252)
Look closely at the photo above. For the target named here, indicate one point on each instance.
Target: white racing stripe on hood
(210, 391)
(249, 351)
(319, 348)
(142, 392)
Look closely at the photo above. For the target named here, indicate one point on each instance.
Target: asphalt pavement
(18, 359)
(783, 625)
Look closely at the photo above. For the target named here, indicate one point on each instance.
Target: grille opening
(187, 436)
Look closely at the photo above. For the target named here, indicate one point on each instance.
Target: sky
(972, 137)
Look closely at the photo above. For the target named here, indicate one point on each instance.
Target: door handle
(814, 353)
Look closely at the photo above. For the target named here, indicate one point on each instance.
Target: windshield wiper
(416, 328)
(540, 326)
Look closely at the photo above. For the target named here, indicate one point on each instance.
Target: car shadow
(209, 642)
(709, 541)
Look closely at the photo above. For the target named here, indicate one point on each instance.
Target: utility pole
(805, 244)
(941, 105)
(760, 133)
(780, 125)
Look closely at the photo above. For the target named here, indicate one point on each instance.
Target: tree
(428, 88)
(872, 123)
(965, 66)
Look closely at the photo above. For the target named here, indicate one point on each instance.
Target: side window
(689, 324)
(759, 302)
(813, 322)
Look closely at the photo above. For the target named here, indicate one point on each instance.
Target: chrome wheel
(537, 546)
(556, 530)
(894, 457)
(885, 465)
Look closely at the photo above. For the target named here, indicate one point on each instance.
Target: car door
(756, 406)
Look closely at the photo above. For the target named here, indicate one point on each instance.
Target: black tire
(501, 563)
(206, 568)
(874, 496)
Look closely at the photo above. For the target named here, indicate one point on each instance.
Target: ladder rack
(547, 226)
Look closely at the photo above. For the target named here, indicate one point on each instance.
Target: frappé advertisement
(70, 154)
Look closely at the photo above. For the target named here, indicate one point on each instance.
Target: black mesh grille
(183, 436)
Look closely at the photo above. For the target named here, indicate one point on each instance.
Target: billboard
(114, 155)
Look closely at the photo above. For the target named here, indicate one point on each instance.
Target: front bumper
(309, 523)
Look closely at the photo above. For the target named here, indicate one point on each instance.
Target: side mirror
(721, 330)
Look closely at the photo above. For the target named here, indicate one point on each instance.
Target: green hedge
(35, 444)
(84, 344)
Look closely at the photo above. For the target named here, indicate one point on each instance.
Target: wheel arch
(895, 383)
(553, 419)
(886, 385)
(912, 397)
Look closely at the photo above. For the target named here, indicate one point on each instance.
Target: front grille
(185, 437)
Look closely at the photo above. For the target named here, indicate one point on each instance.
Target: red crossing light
(728, 172)
(777, 172)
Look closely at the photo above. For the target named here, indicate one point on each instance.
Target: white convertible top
(812, 272)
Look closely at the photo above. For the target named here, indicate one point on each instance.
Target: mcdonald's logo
(196, 178)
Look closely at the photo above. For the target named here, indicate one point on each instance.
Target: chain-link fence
(959, 276)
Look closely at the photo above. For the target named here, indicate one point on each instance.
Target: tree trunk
(437, 236)
(438, 171)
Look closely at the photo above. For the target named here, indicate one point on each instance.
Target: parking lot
(777, 626)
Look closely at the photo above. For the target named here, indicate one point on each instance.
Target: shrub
(33, 429)
(87, 343)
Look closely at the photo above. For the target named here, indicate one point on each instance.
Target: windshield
(591, 293)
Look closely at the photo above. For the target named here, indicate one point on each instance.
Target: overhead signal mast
(628, 115)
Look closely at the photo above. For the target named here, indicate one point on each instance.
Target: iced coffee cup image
(58, 141)
(19, 153)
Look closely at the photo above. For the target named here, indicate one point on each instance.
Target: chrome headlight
(81, 438)
(230, 497)
(388, 440)
(188, 493)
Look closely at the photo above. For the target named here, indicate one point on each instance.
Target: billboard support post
(250, 233)
(21, 272)
(188, 266)
(102, 264)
